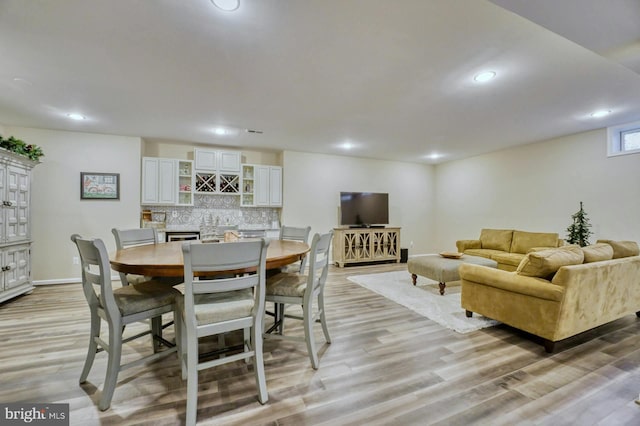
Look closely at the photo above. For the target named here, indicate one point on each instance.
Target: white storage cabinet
(15, 225)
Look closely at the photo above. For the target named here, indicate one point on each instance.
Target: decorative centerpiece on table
(208, 229)
(578, 232)
(32, 152)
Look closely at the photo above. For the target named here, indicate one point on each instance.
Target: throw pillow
(597, 252)
(496, 239)
(622, 248)
(545, 263)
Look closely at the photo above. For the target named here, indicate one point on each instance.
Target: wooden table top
(165, 259)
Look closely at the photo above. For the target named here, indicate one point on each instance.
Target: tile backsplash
(225, 208)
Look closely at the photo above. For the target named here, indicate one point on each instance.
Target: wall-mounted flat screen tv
(364, 208)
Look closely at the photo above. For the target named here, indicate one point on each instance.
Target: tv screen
(364, 208)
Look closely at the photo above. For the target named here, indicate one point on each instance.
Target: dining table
(166, 260)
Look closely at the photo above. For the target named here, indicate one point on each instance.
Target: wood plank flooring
(386, 365)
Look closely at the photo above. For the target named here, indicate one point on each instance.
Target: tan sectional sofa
(558, 293)
(507, 246)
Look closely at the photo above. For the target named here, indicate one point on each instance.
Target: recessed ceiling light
(484, 76)
(226, 5)
(225, 131)
(434, 156)
(21, 80)
(601, 113)
(76, 116)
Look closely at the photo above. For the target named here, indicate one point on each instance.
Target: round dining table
(165, 259)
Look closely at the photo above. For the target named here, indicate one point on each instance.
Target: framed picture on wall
(99, 186)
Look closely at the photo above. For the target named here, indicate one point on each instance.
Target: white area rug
(425, 299)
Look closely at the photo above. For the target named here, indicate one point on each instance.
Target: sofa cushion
(496, 239)
(523, 241)
(545, 263)
(488, 253)
(512, 259)
(597, 252)
(622, 248)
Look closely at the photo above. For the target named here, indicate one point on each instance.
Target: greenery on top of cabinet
(32, 152)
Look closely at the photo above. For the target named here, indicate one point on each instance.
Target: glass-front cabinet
(185, 182)
(248, 186)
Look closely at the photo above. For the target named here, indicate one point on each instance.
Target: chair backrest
(203, 260)
(296, 234)
(96, 276)
(135, 237)
(318, 265)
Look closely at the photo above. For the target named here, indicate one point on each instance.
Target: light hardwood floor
(386, 365)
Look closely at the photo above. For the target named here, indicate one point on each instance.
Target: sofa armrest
(510, 281)
(463, 245)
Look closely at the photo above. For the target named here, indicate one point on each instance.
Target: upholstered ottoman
(443, 269)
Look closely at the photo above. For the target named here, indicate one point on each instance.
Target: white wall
(57, 211)
(535, 187)
(538, 187)
(312, 184)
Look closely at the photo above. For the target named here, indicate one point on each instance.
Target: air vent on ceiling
(258, 132)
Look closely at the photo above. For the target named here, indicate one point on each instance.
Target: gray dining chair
(118, 307)
(216, 306)
(295, 234)
(130, 238)
(133, 237)
(288, 288)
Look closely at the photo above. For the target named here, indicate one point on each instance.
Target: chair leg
(279, 309)
(258, 364)
(113, 366)
(308, 335)
(93, 347)
(156, 331)
(248, 342)
(323, 318)
(221, 344)
(177, 324)
(192, 379)
(181, 342)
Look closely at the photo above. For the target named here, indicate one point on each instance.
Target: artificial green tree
(579, 232)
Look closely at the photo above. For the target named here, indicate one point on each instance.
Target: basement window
(623, 139)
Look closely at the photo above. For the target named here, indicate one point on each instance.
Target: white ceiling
(394, 78)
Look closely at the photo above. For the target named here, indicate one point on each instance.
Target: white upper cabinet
(229, 161)
(262, 185)
(205, 160)
(210, 160)
(159, 180)
(217, 172)
(268, 186)
(275, 186)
